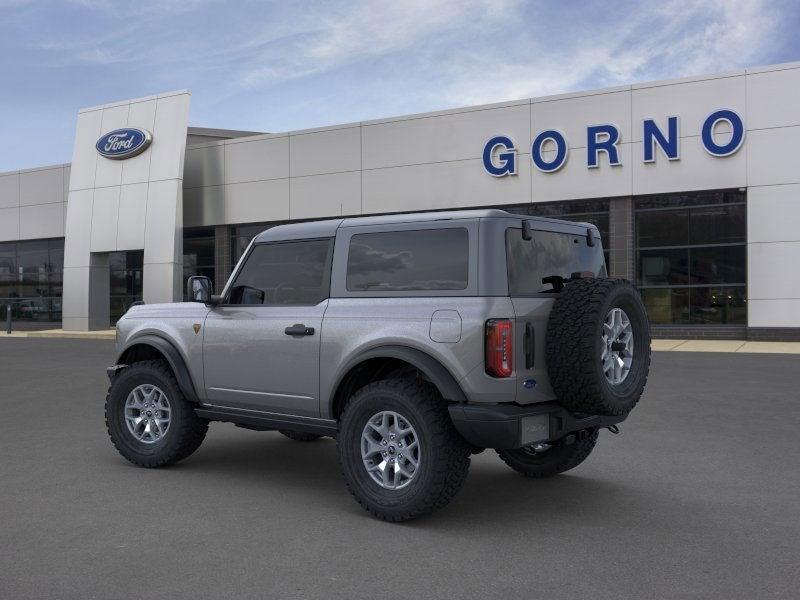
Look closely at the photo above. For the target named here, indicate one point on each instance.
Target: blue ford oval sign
(123, 143)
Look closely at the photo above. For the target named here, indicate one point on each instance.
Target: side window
(426, 259)
(284, 273)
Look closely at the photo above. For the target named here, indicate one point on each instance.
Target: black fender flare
(176, 362)
(435, 371)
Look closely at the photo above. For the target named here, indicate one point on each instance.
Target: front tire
(561, 456)
(149, 420)
(400, 455)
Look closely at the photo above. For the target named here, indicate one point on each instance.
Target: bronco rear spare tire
(598, 346)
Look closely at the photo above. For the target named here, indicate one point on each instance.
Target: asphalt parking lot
(699, 497)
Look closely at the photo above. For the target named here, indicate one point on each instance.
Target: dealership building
(694, 184)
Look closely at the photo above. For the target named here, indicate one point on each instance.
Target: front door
(261, 346)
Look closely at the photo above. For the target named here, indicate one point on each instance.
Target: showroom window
(126, 281)
(198, 253)
(691, 254)
(31, 277)
(242, 235)
(584, 211)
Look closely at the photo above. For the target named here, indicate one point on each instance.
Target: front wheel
(546, 460)
(400, 454)
(148, 419)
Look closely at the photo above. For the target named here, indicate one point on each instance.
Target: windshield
(548, 254)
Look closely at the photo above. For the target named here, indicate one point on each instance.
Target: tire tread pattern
(190, 429)
(572, 347)
(452, 453)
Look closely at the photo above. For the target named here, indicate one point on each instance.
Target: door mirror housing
(199, 289)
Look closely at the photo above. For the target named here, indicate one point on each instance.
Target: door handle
(299, 329)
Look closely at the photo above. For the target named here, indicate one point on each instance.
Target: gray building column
(222, 256)
(621, 245)
(89, 287)
(131, 204)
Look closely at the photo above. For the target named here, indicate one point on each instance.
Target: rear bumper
(507, 426)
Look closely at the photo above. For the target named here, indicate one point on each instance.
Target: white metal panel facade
(418, 162)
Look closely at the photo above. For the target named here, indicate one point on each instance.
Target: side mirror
(199, 289)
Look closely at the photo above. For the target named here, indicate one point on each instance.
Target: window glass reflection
(718, 306)
(667, 305)
(31, 280)
(125, 270)
(429, 259)
(692, 257)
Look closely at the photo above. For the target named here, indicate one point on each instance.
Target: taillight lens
(499, 347)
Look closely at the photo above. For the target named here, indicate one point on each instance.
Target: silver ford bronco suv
(415, 340)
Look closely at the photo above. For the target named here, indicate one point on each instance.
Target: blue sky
(276, 66)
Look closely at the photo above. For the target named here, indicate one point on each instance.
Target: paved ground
(698, 498)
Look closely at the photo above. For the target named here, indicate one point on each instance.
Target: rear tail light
(499, 347)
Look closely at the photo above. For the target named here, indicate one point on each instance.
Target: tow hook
(613, 429)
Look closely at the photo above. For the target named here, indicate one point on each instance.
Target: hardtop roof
(328, 227)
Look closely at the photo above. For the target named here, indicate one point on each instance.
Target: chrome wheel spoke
(616, 353)
(377, 466)
(370, 446)
(390, 450)
(147, 413)
(387, 477)
(405, 471)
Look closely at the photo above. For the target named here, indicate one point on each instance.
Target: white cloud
(673, 40)
(469, 51)
(457, 53)
(326, 38)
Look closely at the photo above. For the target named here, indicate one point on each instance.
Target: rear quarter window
(548, 253)
(421, 260)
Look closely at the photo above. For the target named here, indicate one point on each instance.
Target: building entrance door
(125, 269)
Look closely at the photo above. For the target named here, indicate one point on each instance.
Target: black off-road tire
(574, 344)
(186, 430)
(558, 458)
(444, 454)
(300, 437)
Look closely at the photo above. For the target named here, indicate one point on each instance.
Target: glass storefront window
(198, 254)
(718, 305)
(662, 228)
(664, 267)
(242, 235)
(692, 257)
(718, 225)
(125, 269)
(31, 280)
(718, 264)
(667, 305)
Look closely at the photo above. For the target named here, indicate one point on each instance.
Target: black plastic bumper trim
(508, 426)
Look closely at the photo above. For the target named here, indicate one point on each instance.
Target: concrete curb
(105, 334)
(738, 346)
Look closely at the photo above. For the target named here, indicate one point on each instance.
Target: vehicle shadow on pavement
(493, 494)
(257, 462)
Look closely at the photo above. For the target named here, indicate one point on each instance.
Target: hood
(166, 311)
